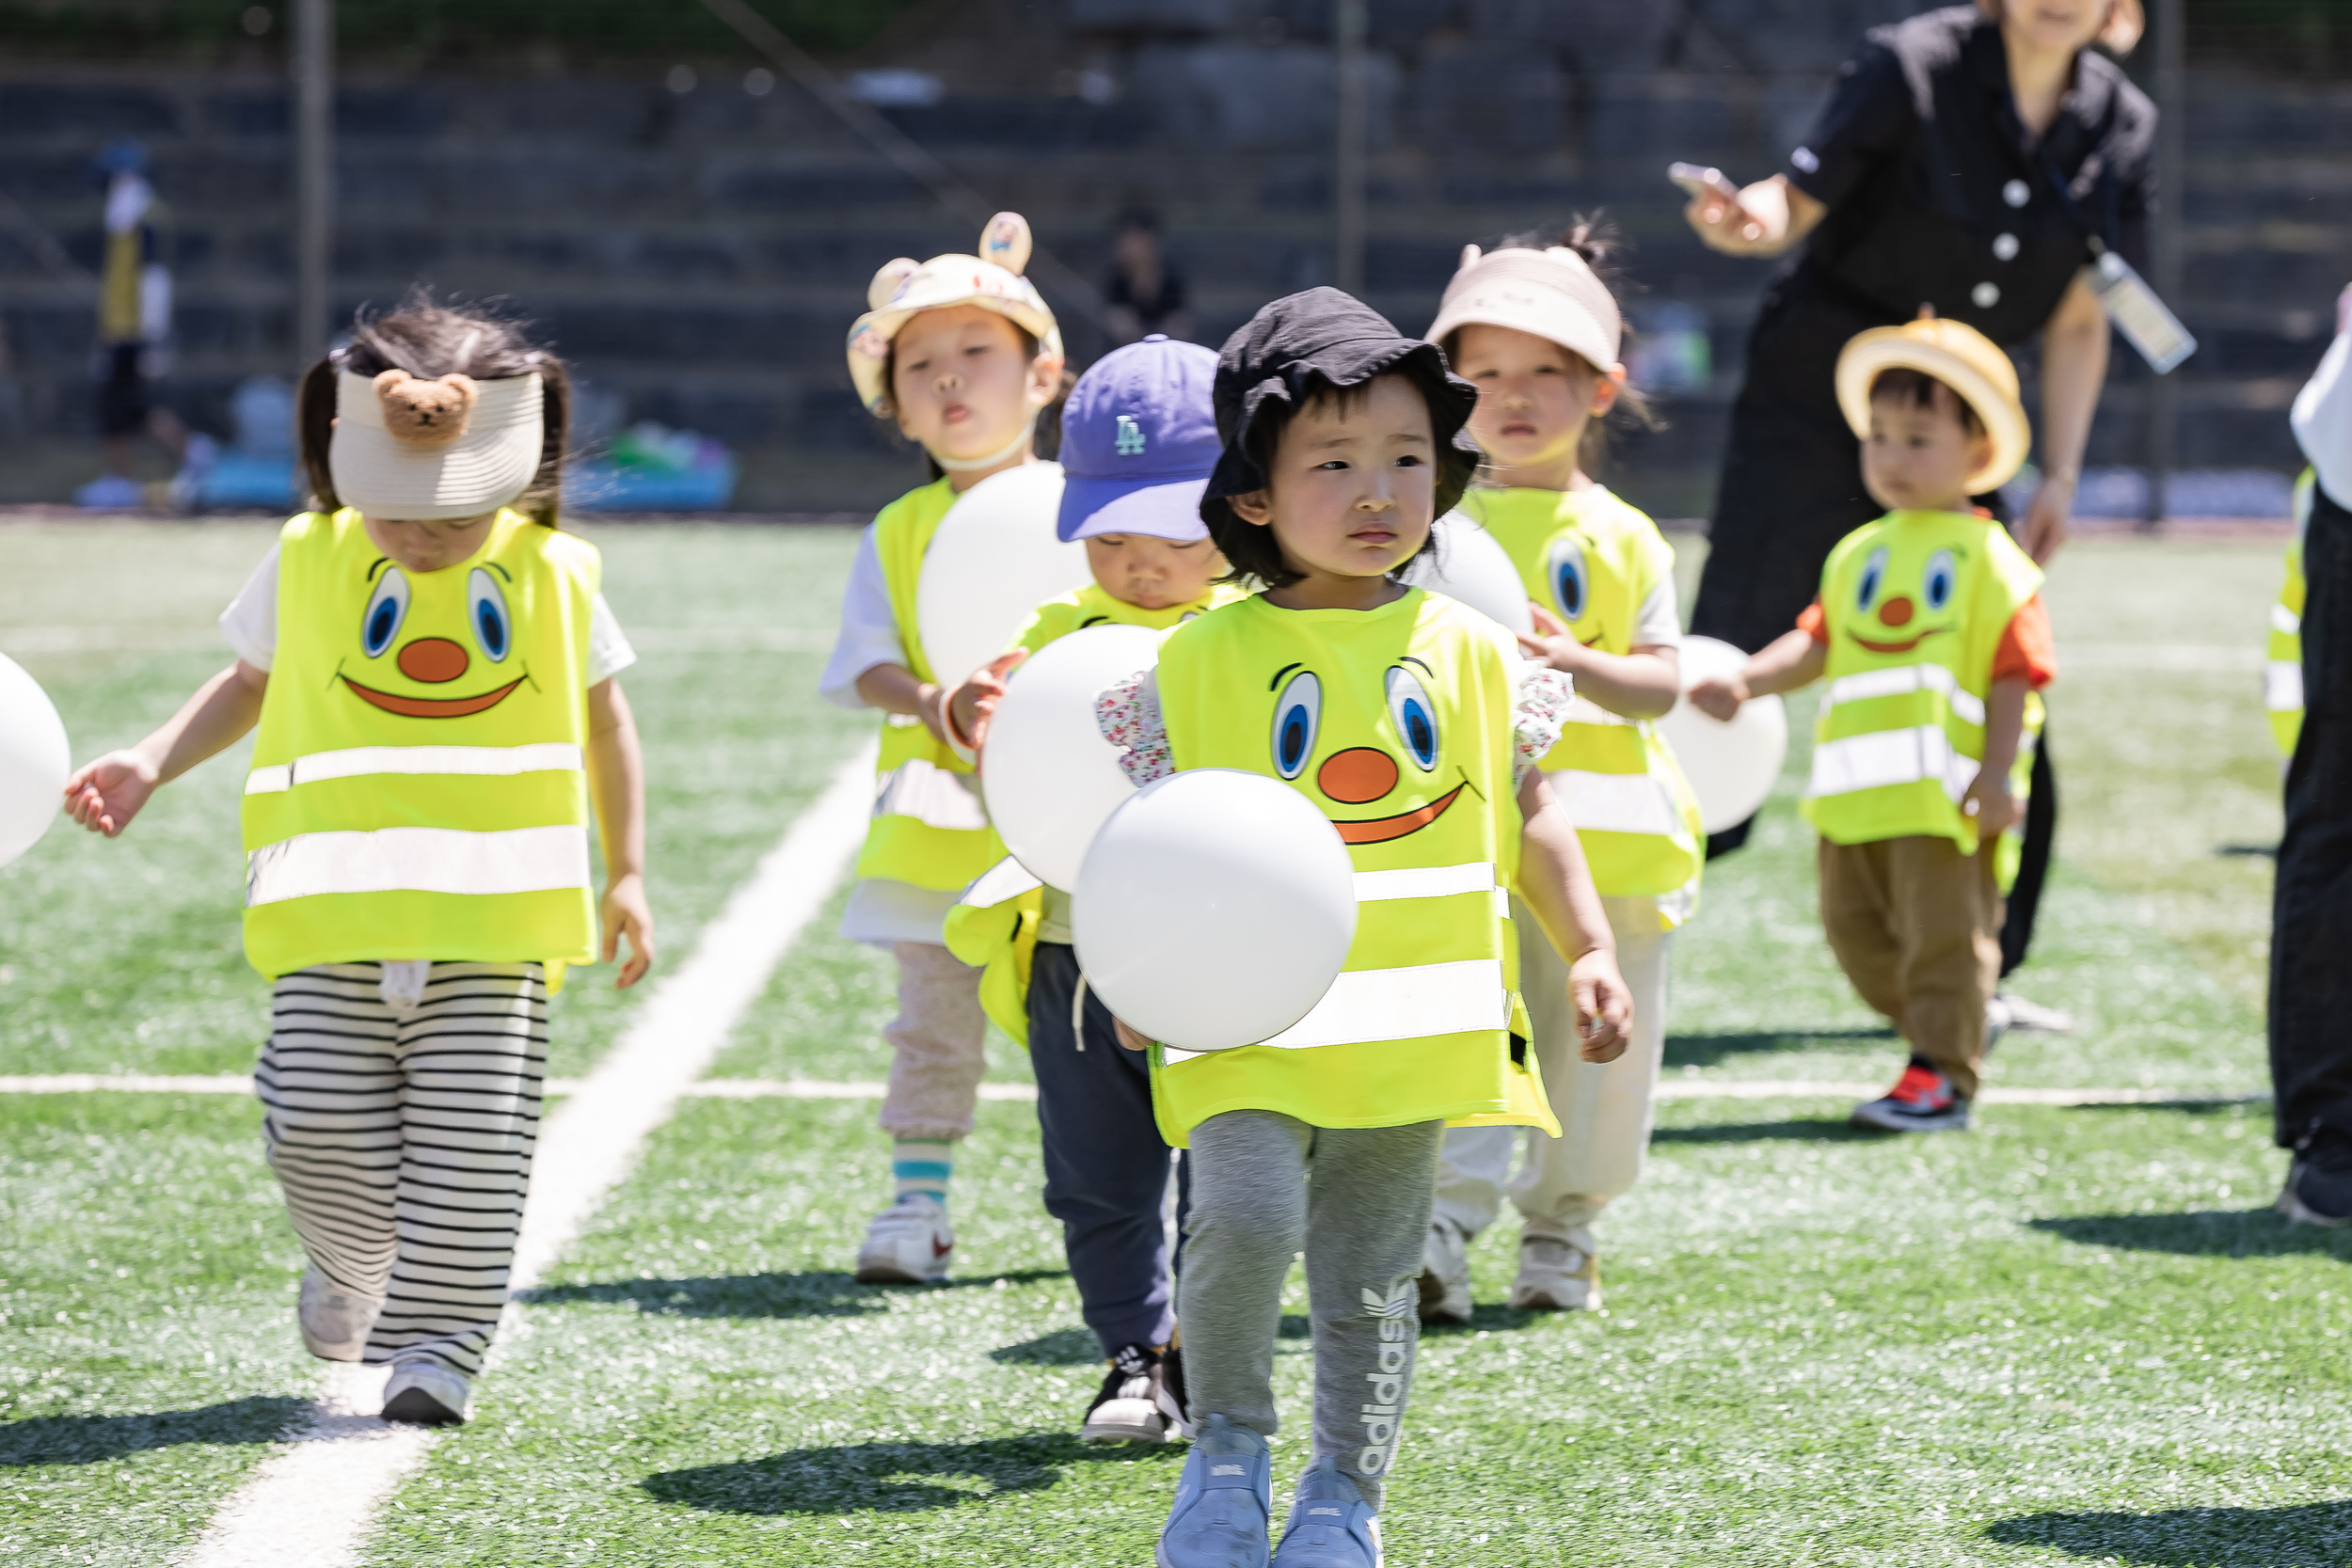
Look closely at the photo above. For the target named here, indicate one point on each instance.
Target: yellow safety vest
(419, 788)
(1397, 723)
(1593, 561)
(929, 826)
(2282, 672)
(994, 925)
(1915, 606)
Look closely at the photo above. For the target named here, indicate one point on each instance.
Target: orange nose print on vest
(433, 660)
(1896, 610)
(1357, 775)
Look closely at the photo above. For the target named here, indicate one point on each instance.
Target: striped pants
(402, 1138)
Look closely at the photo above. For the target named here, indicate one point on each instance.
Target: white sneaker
(1445, 1292)
(2031, 1017)
(335, 1321)
(908, 1243)
(1557, 1274)
(427, 1393)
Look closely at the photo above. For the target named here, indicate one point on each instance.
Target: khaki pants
(1604, 1108)
(1916, 926)
(937, 1046)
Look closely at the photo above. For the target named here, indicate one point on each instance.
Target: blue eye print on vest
(387, 607)
(1415, 715)
(1940, 579)
(1873, 577)
(1297, 714)
(1566, 572)
(485, 612)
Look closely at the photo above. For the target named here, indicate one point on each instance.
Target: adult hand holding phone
(1762, 219)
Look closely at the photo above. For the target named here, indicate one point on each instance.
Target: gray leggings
(1362, 1220)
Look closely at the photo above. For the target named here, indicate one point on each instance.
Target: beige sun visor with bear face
(991, 280)
(439, 451)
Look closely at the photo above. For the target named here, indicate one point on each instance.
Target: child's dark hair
(430, 340)
(1595, 238)
(1251, 552)
(1901, 383)
(1045, 440)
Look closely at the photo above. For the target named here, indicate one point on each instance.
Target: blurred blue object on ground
(651, 467)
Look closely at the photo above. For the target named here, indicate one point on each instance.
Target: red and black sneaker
(1922, 1100)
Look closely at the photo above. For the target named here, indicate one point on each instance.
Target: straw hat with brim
(1962, 358)
(1549, 294)
(991, 280)
(408, 448)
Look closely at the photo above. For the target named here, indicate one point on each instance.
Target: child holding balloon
(433, 670)
(1138, 440)
(1536, 331)
(1411, 724)
(965, 356)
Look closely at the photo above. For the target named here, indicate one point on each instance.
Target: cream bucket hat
(991, 280)
(1550, 293)
(1962, 358)
(406, 447)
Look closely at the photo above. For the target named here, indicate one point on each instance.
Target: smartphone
(1702, 182)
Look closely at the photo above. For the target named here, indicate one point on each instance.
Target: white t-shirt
(250, 624)
(869, 628)
(2322, 421)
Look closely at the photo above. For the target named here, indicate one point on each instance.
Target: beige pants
(1604, 1109)
(936, 1045)
(1916, 926)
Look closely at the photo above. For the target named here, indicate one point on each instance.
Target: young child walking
(434, 670)
(1930, 629)
(963, 354)
(1138, 441)
(1536, 331)
(1412, 723)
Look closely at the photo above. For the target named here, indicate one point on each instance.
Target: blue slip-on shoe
(1330, 1525)
(1223, 1501)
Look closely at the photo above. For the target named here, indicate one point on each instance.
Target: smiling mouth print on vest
(1358, 775)
(435, 660)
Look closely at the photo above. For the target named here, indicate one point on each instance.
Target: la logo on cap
(1130, 442)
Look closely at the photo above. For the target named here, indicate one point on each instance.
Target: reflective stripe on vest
(417, 860)
(1617, 802)
(1395, 1003)
(1902, 681)
(1886, 757)
(355, 762)
(932, 796)
(2282, 687)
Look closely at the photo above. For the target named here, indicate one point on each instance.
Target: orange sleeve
(2027, 652)
(1813, 624)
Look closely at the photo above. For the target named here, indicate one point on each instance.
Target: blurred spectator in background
(134, 327)
(1145, 296)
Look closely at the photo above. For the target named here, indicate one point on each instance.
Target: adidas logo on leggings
(1394, 1313)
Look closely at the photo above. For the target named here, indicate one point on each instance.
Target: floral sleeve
(1537, 716)
(1128, 714)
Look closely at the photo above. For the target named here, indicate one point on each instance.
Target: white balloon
(35, 761)
(1731, 766)
(1470, 565)
(1214, 909)
(993, 559)
(1048, 776)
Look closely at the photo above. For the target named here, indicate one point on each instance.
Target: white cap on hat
(991, 280)
(408, 448)
(1549, 294)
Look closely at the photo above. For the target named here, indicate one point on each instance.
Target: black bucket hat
(1302, 343)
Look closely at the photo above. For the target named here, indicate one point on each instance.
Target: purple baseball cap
(1138, 437)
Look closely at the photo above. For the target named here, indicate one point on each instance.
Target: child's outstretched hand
(1551, 640)
(974, 703)
(1128, 1038)
(1720, 696)
(1604, 1010)
(106, 794)
(624, 911)
(1992, 804)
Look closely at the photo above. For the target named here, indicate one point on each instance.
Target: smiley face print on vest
(1900, 600)
(428, 657)
(1395, 765)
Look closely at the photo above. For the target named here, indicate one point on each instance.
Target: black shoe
(1171, 1395)
(2318, 1189)
(1128, 1408)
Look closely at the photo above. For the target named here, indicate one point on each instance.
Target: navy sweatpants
(1106, 1169)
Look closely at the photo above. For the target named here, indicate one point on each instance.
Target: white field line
(193, 639)
(818, 1088)
(310, 1506)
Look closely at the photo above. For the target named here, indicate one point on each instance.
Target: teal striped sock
(922, 1165)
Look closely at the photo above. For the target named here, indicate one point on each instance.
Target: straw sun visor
(1964, 359)
(445, 450)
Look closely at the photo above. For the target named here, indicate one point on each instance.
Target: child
(433, 670)
(1138, 440)
(963, 355)
(1930, 627)
(1536, 332)
(1411, 721)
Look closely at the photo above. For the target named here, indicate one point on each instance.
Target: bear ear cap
(1470, 254)
(1006, 242)
(894, 272)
